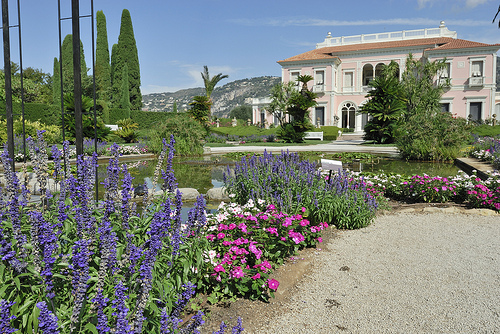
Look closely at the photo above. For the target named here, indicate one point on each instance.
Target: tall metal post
(77, 79)
(8, 81)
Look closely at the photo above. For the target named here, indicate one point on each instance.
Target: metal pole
(94, 95)
(61, 84)
(22, 79)
(77, 80)
(8, 81)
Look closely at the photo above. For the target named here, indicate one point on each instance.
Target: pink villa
(342, 67)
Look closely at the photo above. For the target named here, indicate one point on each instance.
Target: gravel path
(406, 273)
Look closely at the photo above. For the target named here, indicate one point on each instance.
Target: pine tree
(126, 53)
(125, 94)
(102, 65)
(56, 83)
(67, 67)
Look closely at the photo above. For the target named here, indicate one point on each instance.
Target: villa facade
(342, 67)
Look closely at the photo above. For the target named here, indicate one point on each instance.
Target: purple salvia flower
(80, 267)
(238, 329)
(169, 180)
(44, 240)
(196, 322)
(5, 317)
(121, 310)
(12, 198)
(102, 318)
(222, 329)
(47, 321)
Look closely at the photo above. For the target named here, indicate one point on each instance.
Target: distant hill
(225, 97)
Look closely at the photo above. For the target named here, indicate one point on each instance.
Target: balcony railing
(476, 81)
(318, 88)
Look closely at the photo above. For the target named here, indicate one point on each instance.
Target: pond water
(204, 173)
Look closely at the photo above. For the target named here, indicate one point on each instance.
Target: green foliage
(329, 132)
(486, 130)
(52, 132)
(125, 52)
(211, 82)
(37, 85)
(102, 64)
(88, 128)
(437, 138)
(67, 68)
(419, 90)
(127, 131)
(200, 110)
(289, 183)
(125, 92)
(286, 99)
(56, 86)
(241, 112)
(48, 114)
(243, 130)
(385, 105)
(188, 135)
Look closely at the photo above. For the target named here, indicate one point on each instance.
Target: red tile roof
(438, 43)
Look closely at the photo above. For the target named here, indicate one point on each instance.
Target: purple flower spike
(47, 319)
(5, 317)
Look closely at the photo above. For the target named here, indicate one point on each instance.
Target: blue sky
(243, 39)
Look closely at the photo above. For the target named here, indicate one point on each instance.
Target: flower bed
(461, 188)
(487, 149)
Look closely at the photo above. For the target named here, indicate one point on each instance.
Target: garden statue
(235, 122)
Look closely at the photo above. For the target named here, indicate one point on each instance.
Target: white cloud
(423, 3)
(474, 3)
(284, 22)
(190, 76)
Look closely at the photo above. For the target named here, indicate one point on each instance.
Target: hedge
(145, 119)
(47, 114)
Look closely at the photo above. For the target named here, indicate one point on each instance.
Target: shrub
(289, 183)
(486, 130)
(188, 135)
(52, 132)
(329, 132)
(438, 138)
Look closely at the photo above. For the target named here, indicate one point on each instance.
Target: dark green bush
(188, 135)
(47, 114)
(436, 138)
(486, 130)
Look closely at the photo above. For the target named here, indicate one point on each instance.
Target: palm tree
(210, 83)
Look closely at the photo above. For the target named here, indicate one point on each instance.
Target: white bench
(113, 127)
(313, 135)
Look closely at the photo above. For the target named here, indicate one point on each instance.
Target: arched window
(348, 115)
(367, 74)
(378, 69)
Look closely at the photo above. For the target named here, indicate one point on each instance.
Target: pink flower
(237, 273)
(231, 226)
(227, 243)
(303, 209)
(256, 276)
(219, 268)
(320, 239)
(220, 235)
(304, 222)
(210, 237)
(273, 284)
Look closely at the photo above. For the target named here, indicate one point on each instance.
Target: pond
(206, 172)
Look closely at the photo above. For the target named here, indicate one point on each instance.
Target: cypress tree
(125, 93)
(67, 67)
(126, 53)
(174, 108)
(115, 80)
(102, 66)
(56, 83)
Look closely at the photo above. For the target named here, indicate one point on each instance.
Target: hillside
(225, 97)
